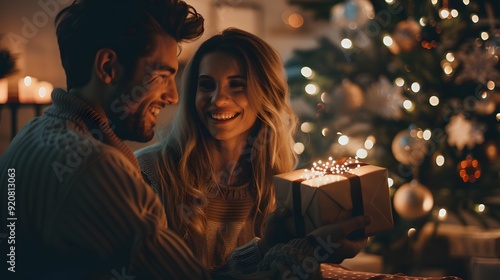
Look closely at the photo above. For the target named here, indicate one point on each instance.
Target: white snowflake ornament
(478, 65)
(385, 99)
(463, 132)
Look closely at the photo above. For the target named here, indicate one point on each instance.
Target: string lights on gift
(331, 166)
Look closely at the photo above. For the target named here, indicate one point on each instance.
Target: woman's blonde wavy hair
(184, 152)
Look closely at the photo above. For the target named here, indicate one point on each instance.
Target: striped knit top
(81, 205)
(229, 223)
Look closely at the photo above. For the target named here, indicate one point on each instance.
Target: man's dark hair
(125, 26)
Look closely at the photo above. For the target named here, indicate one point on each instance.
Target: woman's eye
(206, 85)
(237, 84)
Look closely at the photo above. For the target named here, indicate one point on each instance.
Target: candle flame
(27, 81)
(42, 92)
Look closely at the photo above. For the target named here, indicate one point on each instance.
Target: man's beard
(131, 128)
(127, 125)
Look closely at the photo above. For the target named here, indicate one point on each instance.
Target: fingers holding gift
(332, 242)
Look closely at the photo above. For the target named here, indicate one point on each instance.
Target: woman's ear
(106, 65)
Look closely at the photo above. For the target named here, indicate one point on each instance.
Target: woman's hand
(276, 230)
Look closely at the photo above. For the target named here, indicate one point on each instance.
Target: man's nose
(171, 95)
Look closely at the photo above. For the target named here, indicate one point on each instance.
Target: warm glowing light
(390, 182)
(469, 169)
(295, 20)
(361, 153)
(399, 82)
(324, 97)
(42, 92)
(420, 134)
(450, 57)
(434, 100)
(422, 21)
(311, 89)
(444, 13)
(408, 105)
(415, 87)
(346, 43)
(448, 70)
(411, 232)
(485, 36)
(490, 85)
(442, 214)
(466, 2)
(498, 117)
(369, 142)
(325, 131)
(299, 148)
(484, 95)
(474, 18)
(440, 160)
(387, 41)
(27, 81)
(343, 140)
(480, 208)
(434, 2)
(389, 1)
(306, 127)
(454, 13)
(306, 72)
(427, 134)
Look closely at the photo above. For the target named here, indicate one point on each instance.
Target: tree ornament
(462, 132)
(413, 200)
(323, 111)
(478, 65)
(430, 35)
(351, 14)
(491, 150)
(348, 97)
(407, 34)
(469, 169)
(485, 106)
(385, 99)
(409, 149)
(492, 45)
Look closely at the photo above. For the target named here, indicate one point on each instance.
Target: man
(74, 204)
(80, 209)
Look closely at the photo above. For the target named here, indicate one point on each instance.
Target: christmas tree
(413, 86)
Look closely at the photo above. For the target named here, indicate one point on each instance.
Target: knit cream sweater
(82, 209)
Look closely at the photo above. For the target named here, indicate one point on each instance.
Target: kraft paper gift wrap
(332, 198)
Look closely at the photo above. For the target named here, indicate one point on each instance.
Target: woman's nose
(220, 96)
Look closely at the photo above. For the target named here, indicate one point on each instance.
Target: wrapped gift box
(332, 198)
(485, 268)
(471, 241)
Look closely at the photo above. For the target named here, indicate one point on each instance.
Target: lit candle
(26, 89)
(43, 92)
(4, 90)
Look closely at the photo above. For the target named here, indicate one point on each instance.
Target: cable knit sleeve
(115, 216)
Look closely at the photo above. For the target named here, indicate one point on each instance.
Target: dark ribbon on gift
(356, 198)
(300, 228)
(357, 203)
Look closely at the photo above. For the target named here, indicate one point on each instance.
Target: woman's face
(222, 98)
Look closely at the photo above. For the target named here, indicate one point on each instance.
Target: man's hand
(333, 239)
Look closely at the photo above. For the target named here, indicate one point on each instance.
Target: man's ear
(106, 65)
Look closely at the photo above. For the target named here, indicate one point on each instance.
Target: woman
(233, 131)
